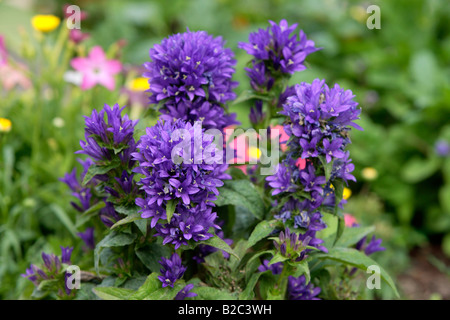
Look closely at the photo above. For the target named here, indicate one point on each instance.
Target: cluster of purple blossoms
(298, 289)
(51, 269)
(109, 144)
(277, 53)
(171, 270)
(319, 119)
(279, 49)
(190, 77)
(111, 139)
(191, 183)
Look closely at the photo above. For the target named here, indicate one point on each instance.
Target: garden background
(399, 73)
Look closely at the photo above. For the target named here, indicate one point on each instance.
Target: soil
(428, 277)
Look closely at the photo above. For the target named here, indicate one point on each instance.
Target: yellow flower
(5, 125)
(45, 22)
(139, 84)
(369, 173)
(254, 153)
(347, 193)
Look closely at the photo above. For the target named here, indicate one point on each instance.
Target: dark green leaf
(261, 231)
(151, 254)
(248, 293)
(113, 239)
(242, 193)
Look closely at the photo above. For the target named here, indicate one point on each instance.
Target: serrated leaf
(241, 193)
(112, 293)
(359, 260)
(170, 209)
(261, 231)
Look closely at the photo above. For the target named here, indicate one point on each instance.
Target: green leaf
(167, 293)
(112, 293)
(209, 293)
(352, 235)
(248, 293)
(151, 254)
(327, 167)
(150, 285)
(99, 169)
(340, 229)
(113, 239)
(357, 259)
(170, 208)
(242, 193)
(64, 218)
(278, 257)
(126, 220)
(250, 94)
(218, 243)
(261, 231)
(301, 268)
(49, 285)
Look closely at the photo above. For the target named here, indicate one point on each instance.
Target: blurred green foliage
(400, 75)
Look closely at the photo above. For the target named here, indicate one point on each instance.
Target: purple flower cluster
(106, 140)
(191, 184)
(275, 50)
(190, 76)
(319, 119)
(51, 269)
(298, 289)
(83, 194)
(171, 270)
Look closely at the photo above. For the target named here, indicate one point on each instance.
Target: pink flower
(283, 136)
(77, 36)
(300, 163)
(96, 69)
(350, 221)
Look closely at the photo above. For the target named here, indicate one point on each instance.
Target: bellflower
(278, 48)
(299, 290)
(189, 69)
(171, 270)
(185, 292)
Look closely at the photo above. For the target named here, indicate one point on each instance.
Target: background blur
(400, 75)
